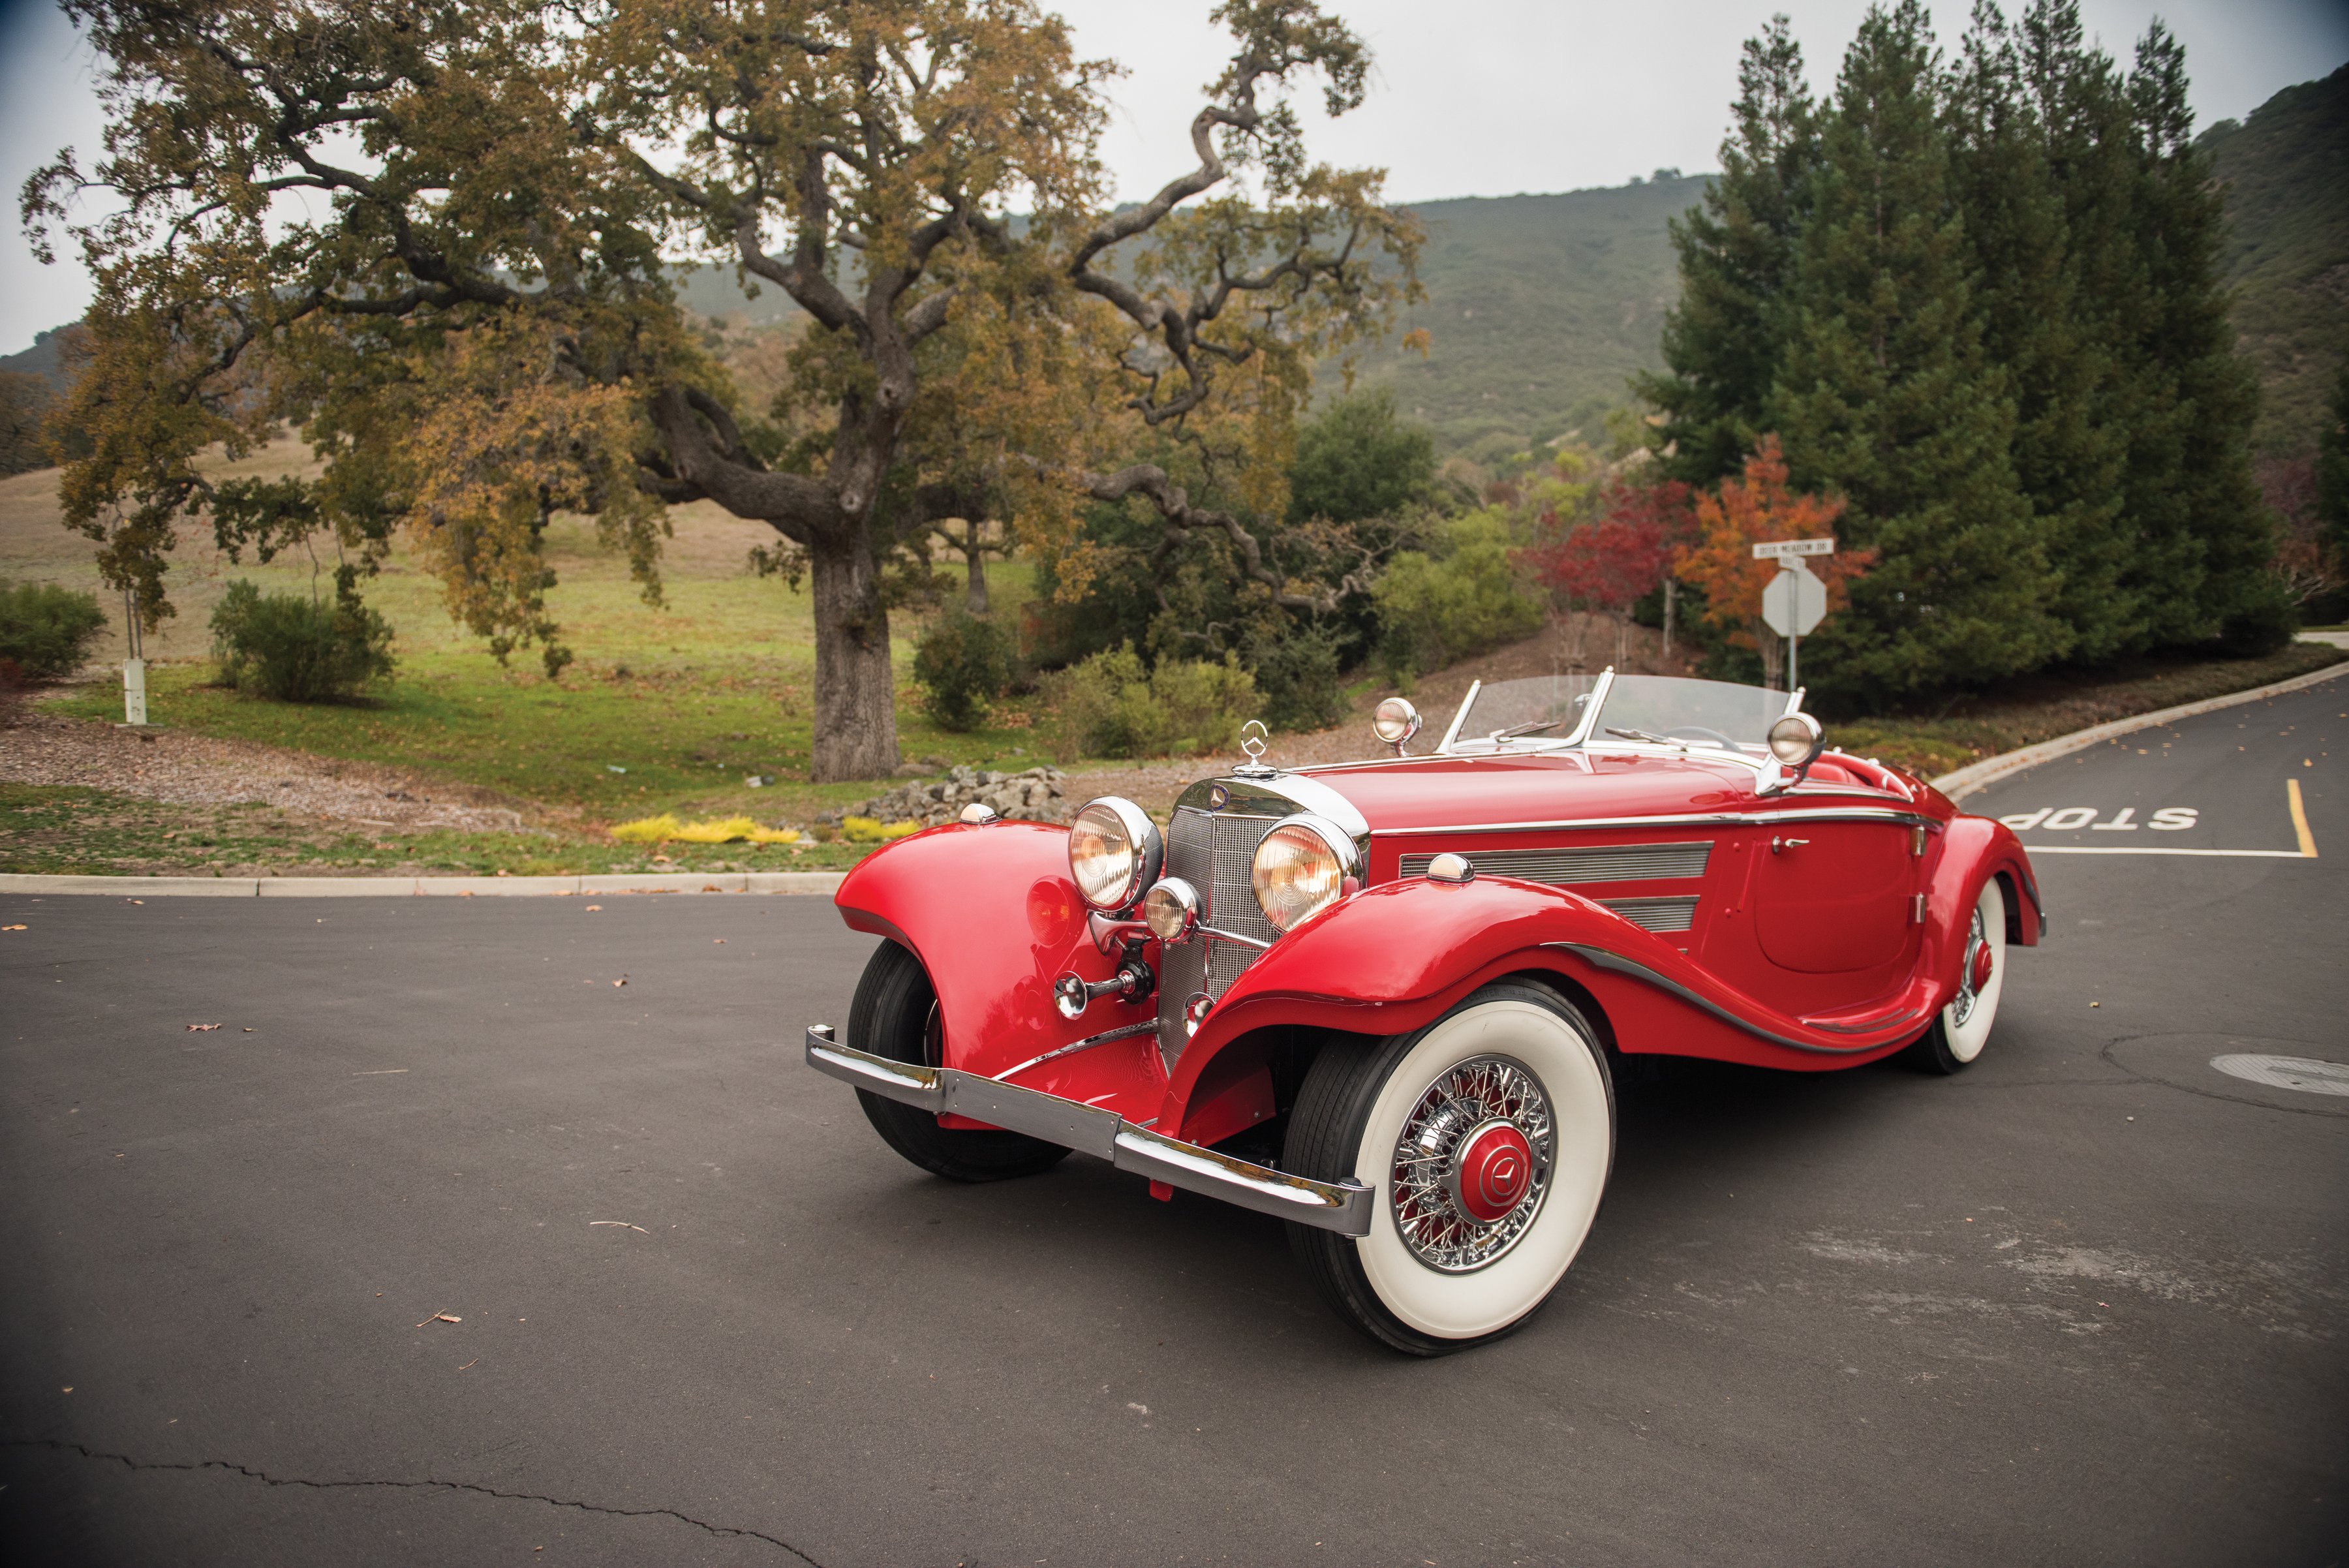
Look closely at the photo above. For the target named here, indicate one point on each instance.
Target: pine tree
(1887, 396)
(1723, 339)
(2067, 458)
(2203, 537)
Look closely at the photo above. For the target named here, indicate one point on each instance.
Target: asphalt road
(2086, 1302)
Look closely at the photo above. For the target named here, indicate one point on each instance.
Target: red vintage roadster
(1382, 999)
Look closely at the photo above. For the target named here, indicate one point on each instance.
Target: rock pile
(1035, 796)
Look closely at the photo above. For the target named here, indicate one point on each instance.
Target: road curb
(1966, 780)
(804, 882)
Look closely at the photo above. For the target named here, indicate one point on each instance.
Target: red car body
(1686, 900)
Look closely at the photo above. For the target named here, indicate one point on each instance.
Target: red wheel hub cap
(1980, 968)
(1493, 1172)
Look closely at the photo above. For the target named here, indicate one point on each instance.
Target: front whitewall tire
(1353, 1111)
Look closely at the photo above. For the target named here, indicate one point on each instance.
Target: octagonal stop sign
(1795, 602)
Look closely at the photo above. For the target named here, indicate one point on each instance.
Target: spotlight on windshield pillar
(1395, 721)
(1797, 739)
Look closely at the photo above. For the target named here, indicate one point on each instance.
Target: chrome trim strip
(1121, 1031)
(1459, 715)
(1224, 936)
(1870, 1027)
(1343, 1206)
(1600, 957)
(1684, 819)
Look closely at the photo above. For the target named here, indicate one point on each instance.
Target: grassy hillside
(1538, 309)
(2286, 171)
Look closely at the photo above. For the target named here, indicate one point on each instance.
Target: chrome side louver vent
(1599, 863)
(1659, 915)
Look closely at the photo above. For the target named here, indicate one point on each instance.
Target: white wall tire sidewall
(1469, 1305)
(1966, 1040)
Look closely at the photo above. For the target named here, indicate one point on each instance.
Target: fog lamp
(1171, 909)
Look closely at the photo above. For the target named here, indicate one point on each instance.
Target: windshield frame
(1593, 712)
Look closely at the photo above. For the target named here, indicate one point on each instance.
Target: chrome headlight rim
(1345, 856)
(1145, 851)
(1796, 739)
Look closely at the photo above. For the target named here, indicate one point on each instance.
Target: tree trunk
(855, 707)
(974, 550)
(1671, 590)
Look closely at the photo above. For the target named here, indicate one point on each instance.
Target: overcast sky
(1501, 96)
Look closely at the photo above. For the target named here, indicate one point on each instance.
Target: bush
(46, 630)
(295, 650)
(2266, 621)
(963, 662)
(1434, 609)
(1299, 676)
(1110, 706)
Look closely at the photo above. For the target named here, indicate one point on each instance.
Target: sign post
(1795, 601)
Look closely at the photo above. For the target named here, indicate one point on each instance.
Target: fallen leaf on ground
(719, 941)
(202, 1028)
(441, 1317)
(469, 1365)
(594, 908)
(11, 928)
(136, 900)
(637, 1229)
(622, 980)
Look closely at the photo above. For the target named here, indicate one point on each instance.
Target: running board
(1343, 1206)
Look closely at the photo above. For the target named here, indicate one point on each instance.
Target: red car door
(1835, 902)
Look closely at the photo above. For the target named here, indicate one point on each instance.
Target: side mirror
(1796, 743)
(1395, 721)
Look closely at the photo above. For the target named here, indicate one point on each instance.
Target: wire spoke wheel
(1488, 1137)
(1439, 1176)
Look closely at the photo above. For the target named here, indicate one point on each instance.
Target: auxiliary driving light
(1797, 739)
(1395, 721)
(1171, 909)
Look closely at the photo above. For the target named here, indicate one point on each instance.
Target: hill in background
(2286, 171)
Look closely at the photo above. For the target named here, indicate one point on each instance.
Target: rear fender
(1973, 850)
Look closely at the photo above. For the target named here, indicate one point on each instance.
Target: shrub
(872, 830)
(296, 649)
(46, 630)
(1434, 609)
(1110, 706)
(963, 662)
(1299, 676)
(665, 828)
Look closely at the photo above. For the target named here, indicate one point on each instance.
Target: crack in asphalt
(232, 1468)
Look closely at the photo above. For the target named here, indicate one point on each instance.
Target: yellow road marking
(2300, 819)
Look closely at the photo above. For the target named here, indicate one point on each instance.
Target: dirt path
(200, 770)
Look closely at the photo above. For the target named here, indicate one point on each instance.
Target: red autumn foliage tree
(1760, 509)
(1617, 558)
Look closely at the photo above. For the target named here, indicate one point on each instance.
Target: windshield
(1703, 712)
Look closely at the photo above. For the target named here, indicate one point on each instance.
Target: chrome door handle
(1777, 843)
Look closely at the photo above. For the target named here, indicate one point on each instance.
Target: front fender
(995, 918)
(1973, 850)
(1398, 956)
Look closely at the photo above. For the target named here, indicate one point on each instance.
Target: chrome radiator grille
(1214, 852)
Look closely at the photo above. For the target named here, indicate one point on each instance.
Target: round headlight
(1113, 852)
(1300, 869)
(1171, 908)
(1395, 721)
(1796, 740)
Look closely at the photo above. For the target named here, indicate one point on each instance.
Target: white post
(1794, 642)
(134, 668)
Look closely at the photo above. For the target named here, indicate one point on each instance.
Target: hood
(1459, 791)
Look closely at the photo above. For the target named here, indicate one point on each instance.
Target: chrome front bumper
(1344, 1208)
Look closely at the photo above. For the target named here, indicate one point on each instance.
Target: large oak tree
(436, 236)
